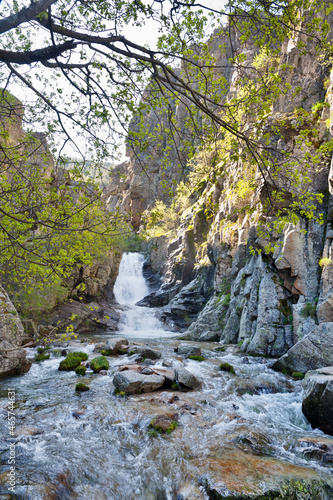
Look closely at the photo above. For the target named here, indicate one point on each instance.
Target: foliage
(72, 361)
(325, 261)
(309, 309)
(41, 357)
(298, 375)
(99, 363)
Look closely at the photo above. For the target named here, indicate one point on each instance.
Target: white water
(130, 287)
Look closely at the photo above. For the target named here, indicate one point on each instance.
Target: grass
(298, 375)
(81, 387)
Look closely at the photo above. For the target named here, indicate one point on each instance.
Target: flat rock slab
(131, 382)
(312, 352)
(317, 402)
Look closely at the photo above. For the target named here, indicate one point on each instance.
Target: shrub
(72, 361)
(225, 367)
(99, 363)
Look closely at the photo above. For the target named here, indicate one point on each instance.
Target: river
(242, 432)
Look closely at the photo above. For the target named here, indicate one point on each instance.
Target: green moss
(240, 343)
(131, 353)
(99, 363)
(81, 387)
(196, 358)
(80, 370)
(108, 352)
(41, 357)
(226, 300)
(172, 427)
(118, 392)
(41, 350)
(72, 361)
(225, 367)
(220, 349)
(298, 375)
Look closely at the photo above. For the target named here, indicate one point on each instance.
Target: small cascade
(130, 287)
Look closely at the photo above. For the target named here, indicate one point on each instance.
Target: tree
(87, 77)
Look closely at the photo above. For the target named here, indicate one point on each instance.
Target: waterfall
(130, 287)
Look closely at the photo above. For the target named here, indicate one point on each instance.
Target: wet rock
(135, 368)
(13, 359)
(131, 382)
(317, 448)
(26, 431)
(164, 423)
(245, 360)
(147, 362)
(103, 372)
(187, 379)
(169, 375)
(147, 371)
(318, 399)
(101, 346)
(116, 345)
(167, 362)
(208, 325)
(188, 350)
(160, 298)
(253, 441)
(312, 352)
(238, 475)
(147, 353)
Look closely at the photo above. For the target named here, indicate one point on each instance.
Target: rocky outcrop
(313, 351)
(12, 357)
(318, 399)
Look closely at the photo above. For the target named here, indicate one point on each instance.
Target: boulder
(116, 344)
(12, 357)
(131, 382)
(187, 379)
(312, 352)
(318, 399)
(147, 352)
(208, 327)
(188, 350)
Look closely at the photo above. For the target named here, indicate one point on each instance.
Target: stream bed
(241, 435)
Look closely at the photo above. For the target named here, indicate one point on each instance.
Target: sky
(140, 35)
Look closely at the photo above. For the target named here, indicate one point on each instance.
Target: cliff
(226, 277)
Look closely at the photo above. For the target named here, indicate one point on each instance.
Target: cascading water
(130, 287)
(238, 431)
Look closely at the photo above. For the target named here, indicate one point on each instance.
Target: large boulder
(317, 402)
(187, 379)
(12, 357)
(312, 352)
(132, 382)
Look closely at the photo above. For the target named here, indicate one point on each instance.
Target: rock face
(312, 352)
(12, 358)
(318, 399)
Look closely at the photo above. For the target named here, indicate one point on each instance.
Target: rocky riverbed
(233, 435)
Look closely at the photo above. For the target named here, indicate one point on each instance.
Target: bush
(72, 361)
(99, 363)
(81, 387)
(225, 367)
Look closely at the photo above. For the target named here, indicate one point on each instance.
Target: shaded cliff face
(221, 281)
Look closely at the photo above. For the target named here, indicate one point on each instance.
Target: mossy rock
(72, 361)
(225, 367)
(81, 387)
(108, 352)
(196, 358)
(164, 423)
(99, 363)
(298, 375)
(41, 357)
(80, 370)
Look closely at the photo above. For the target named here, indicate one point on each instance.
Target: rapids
(240, 430)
